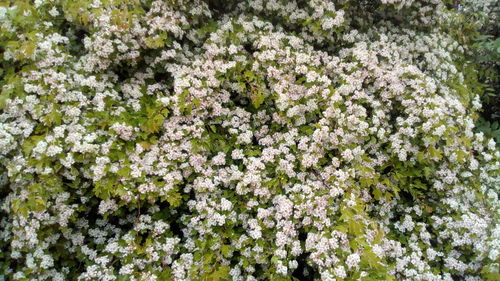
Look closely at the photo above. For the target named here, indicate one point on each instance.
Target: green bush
(245, 140)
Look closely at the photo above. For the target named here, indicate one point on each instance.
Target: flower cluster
(253, 140)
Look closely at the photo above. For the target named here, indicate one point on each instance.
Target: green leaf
(257, 98)
(226, 250)
(174, 199)
(154, 123)
(377, 193)
(370, 258)
(124, 172)
(53, 118)
(222, 273)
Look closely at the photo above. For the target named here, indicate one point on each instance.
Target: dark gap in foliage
(302, 3)
(249, 48)
(304, 272)
(221, 7)
(162, 76)
(76, 33)
(4, 182)
(386, 170)
(176, 228)
(254, 140)
(406, 196)
(146, 5)
(302, 235)
(123, 72)
(241, 101)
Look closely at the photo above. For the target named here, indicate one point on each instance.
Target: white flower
(53, 12)
(339, 271)
(352, 260)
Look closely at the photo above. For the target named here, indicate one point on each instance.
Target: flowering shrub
(243, 140)
(487, 55)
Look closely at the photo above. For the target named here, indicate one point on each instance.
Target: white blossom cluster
(248, 140)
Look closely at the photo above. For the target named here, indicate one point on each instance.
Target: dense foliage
(486, 52)
(244, 140)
